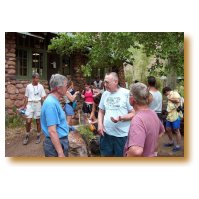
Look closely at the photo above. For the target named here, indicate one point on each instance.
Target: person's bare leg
(178, 137)
(38, 140)
(28, 126)
(169, 134)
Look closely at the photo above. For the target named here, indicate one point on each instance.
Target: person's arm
(43, 98)
(71, 97)
(100, 122)
(134, 151)
(123, 118)
(174, 97)
(174, 100)
(96, 92)
(43, 94)
(92, 116)
(82, 94)
(25, 102)
(55, 140)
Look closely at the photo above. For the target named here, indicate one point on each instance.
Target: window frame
(29, 61)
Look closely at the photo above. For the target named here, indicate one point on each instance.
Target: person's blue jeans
(111, 146)
(49, 149)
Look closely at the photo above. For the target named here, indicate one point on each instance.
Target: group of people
(129, 122)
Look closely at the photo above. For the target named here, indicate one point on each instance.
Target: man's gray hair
(140, 93)
(57, 80)
(114, 75)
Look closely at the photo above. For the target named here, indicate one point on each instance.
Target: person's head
(139, 94)
(87, 86)
(69, 83)
(111, 82)
(136, 81)
(35, 78)
(58, 83)
(97, 99)
(98, 78)
(151, 81)
(166, 90)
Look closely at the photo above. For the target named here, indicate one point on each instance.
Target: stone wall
(14, 89)
(15, 94)
(10, 57)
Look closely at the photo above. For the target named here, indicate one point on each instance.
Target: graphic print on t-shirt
(113, 103)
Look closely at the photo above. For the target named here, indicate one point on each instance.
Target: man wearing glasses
(34, 94)
(115, 114)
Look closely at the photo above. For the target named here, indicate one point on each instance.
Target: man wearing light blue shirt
(114, 117)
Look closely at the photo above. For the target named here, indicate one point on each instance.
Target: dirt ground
(15, 148)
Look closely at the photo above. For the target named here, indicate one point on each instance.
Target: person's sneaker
(26, 139)
(176, 149)
(38, 140)
(168, 145)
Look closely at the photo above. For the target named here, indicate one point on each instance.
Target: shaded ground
(15, 148)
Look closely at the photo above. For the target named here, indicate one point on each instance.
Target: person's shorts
(111, 146)
(49, 149)
(68, 110)
(87, 108)
(33, 110)
(173, 125)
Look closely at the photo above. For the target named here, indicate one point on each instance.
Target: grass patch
(13, 121)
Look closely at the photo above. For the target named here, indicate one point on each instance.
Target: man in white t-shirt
(156, 103)
(34, 94)
(115, 113)
(98, 83)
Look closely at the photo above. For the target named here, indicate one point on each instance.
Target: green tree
(105, 49)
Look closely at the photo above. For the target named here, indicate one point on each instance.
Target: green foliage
(13, 121)
(141, 63)
(86, 133)
(86, 69)
(105, 49)
(180, 88)
(165, 46)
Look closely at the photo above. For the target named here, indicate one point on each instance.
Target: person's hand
(61, 155)
(92, 120)
(100, 130)
(23, 107)
(77, 92)
(92, 117)
(117, 119)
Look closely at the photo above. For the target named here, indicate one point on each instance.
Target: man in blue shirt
(53, 120)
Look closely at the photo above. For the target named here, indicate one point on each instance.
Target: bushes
(86, 133)
(13, 121)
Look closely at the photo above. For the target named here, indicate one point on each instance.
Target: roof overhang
(30, 34)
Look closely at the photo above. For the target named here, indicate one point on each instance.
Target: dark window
(66, 68)
(31, 56)
(22, 62)
(37, 63)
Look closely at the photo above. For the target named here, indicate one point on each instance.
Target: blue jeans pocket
(49, 149)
